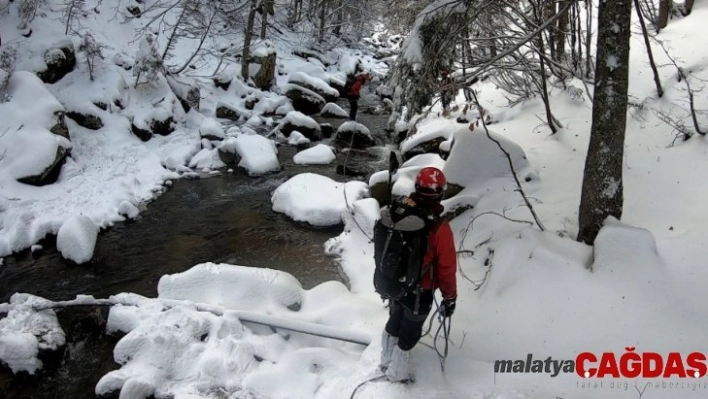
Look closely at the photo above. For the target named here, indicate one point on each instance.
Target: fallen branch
(331, 332)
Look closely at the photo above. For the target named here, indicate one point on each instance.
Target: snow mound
(475, 158)
(233, 287)
(316, 199)
(76, 239)
(24, 332)
(334, 110)
(318, 155)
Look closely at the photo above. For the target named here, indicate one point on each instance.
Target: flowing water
(226, 218)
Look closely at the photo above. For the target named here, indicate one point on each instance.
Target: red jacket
(440, 263)
(355, 89)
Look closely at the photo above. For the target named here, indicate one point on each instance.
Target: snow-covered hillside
(106, 139)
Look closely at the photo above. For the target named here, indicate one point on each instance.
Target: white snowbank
(199, 345)
(316, 199)
(318, 155)
(76, 239)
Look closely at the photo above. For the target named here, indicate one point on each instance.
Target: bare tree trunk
(576, 38)
(664, 11)
(588, 38)
(340, 19)
(544, 86)
(602, 191)
(264, 18)
(657, 82)
(323, 11)
(561, 32)
(248, 37)
(688, 7)
(549, 11)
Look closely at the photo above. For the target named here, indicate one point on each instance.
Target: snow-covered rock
(315, 199)
(296, 121)
(333, 110)
(256, 154)
(296, 138)
(317, 85)
(59, 60)
(428, 137)
(31, 153)
(303, 99)
(233, 287)
(25, 332)
(211, 129)
(356, 134)
(207, 158)
(318, 155)
(228, 111)
(76, 239)
(161, 117)
(404, 178)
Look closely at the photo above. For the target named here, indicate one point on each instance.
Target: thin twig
(511, 167)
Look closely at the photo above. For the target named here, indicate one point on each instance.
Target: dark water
(225, 218)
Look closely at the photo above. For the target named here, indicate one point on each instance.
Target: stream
(225, 218)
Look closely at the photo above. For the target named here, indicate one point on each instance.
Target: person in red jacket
(407, 315)
(354, 93)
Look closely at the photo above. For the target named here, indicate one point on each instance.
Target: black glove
(447, 307)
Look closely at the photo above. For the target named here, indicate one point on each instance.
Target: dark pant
(353, 106)
(404, 322)
(445, 99)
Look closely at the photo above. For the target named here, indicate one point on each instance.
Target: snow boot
(388, 342)
(399, 370)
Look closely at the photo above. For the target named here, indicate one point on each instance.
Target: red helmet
(430, 182)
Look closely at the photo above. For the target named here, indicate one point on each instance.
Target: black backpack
(348, 87)
(400, 244)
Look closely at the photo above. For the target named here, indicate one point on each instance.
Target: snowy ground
(646, 290)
